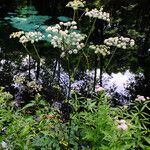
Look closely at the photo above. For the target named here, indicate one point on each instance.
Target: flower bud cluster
(94, 13)
(100, 49)
(25, 37)
(64, 36)
(120, 42)
(34, 86)
(76, 4)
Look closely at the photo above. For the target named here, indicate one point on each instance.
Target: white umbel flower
(25, 37)
(100, 49)
(95, 13)
(67, 38)
(120, 42)
(76, 4)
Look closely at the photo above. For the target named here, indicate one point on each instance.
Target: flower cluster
(120, 42)
(94, 13)
(25, 37)
(19, 79)
(65, 37)
(140, 98)
(98, 89)
(34, 86)
(100, 49)
(16, 34)
(76, 4)
(122, 124)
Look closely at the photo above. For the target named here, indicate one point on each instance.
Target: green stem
(77, 65)
(110, 59)
(74, 15)
(40, 58)
(26, 49)
(92, 29)
(87, 61)
(36, 51)
(69, 77)
(82, 16)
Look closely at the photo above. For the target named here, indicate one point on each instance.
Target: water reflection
(27, 19)
(120, 80)
(50, 72)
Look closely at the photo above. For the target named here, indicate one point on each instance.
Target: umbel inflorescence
(120, 42)
(66, 37)
(76, 4)
(69, 40)
(25, 37)
(99, 14)
(100, 49)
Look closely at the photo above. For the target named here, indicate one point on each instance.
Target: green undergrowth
(92, 124)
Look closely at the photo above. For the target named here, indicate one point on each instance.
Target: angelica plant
(65, 37)
(99, 14)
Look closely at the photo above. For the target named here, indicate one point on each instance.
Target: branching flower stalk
(99, 49)
(94, 13)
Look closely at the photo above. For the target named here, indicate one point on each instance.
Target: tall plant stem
(29, 60)
(110, 59)
(36, 51)
(101, 70)
(59, 71)
(38, 62)
(74, 15)
(90, 32)
(87, 39)
(69, 87)
(87, 61)
(82, 16)
(55, 66)
(29, 68)
(95, 73)
(38, 70)
(36, 54)
(77, 66)
(26, 49)
(40, 57)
